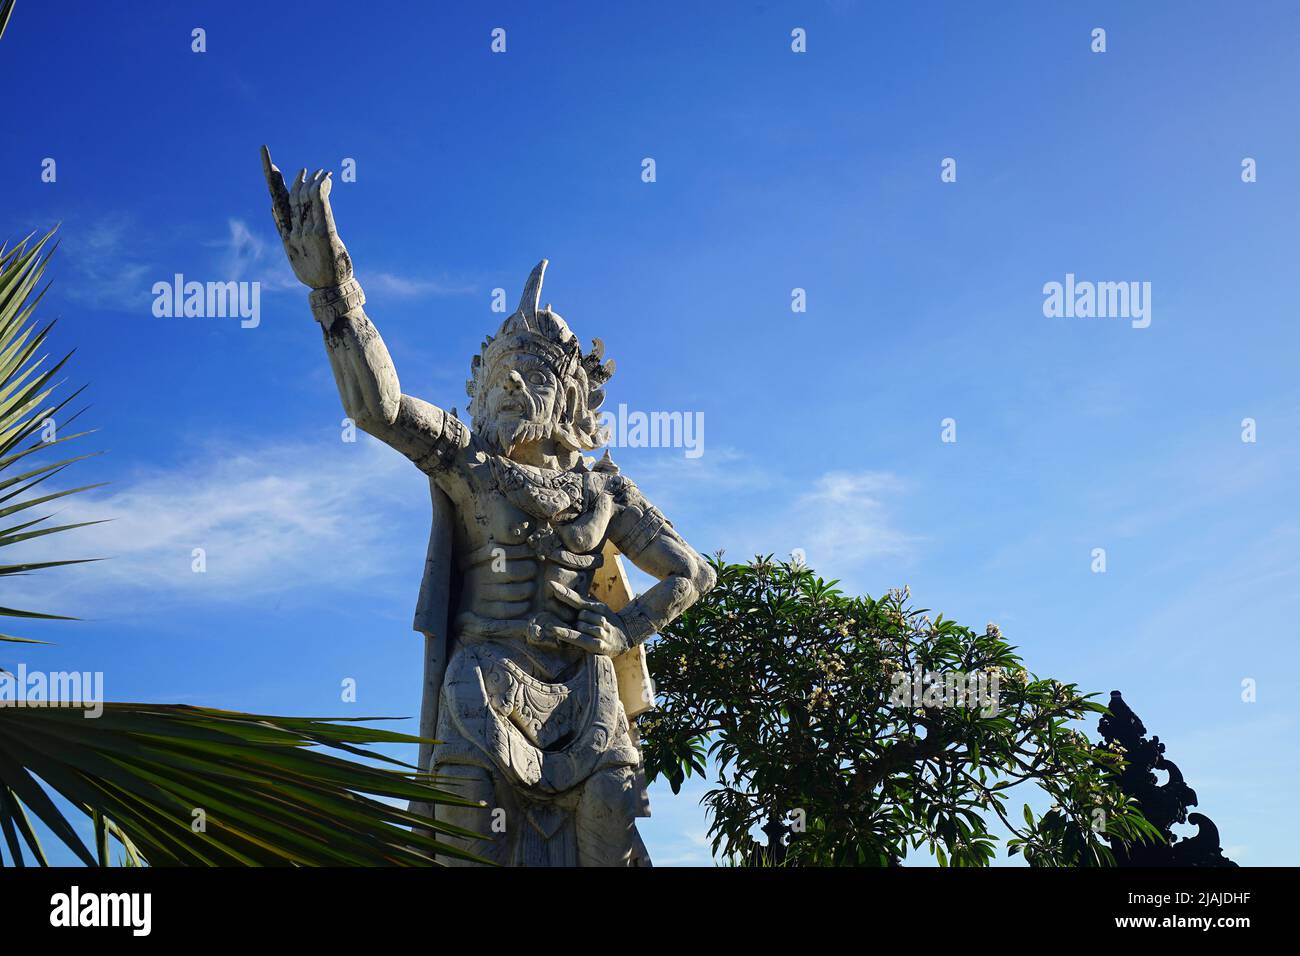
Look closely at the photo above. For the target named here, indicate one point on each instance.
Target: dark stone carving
(1164, 805)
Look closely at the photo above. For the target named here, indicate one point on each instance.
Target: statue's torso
(524, 529)
(516, 700)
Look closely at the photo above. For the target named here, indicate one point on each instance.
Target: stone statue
(521, 684)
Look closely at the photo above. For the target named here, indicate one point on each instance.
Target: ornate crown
(543, 333)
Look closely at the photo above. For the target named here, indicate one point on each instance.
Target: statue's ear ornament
(597, 374)
(570, 404)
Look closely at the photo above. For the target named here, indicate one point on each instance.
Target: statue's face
(521, 396)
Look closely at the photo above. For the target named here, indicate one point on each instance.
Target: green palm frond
(173, 785)
(6, 8)
(26, 406)
(192, 786)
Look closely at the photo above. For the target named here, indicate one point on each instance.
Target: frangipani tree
(853, 730)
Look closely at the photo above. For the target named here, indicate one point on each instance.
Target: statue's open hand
(598, 629)
(306, 225)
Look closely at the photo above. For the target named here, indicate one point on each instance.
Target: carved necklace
(551, 495)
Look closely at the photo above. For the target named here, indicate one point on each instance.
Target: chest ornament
(556, 496)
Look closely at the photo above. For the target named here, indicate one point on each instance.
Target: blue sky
(775, 170)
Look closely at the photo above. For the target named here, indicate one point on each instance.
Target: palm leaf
(198, 786)
(175, 785)
(24, 409)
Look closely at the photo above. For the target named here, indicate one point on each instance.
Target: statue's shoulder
(635, 522)
(610, 481)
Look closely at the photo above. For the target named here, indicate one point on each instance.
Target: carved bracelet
(329, 303)
(637, 625)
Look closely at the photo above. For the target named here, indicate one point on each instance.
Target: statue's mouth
(513, 406)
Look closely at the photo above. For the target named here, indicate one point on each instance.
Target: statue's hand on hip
(598, 629)
(306, 225)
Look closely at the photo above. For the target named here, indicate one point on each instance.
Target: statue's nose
(514, 382)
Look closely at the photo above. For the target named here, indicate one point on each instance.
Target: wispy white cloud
(844, 521)
(273, 520)
(109, 270)
(676, 832)
(114, 264)
(403, 287)
(250, 255)
(247, 256)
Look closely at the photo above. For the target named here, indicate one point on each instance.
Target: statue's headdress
(544, 334)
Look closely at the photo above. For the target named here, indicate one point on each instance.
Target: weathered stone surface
(533, 661)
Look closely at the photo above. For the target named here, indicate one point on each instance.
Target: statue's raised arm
(363, 370)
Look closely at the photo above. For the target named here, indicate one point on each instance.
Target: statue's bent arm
(649, 541)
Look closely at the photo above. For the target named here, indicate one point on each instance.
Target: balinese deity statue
(521, 690)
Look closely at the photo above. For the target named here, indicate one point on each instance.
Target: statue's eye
(537, 378)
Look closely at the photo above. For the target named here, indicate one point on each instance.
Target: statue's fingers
(279, 193)
(591, 644)
(270, 171)
(591, 617)
(311, 218)
(322, 220)
(326, 211)
(571, 597)
(309, 212)
(295, 215)
(283, 217)
(295, 202)
(595, 630)
(274, 178)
